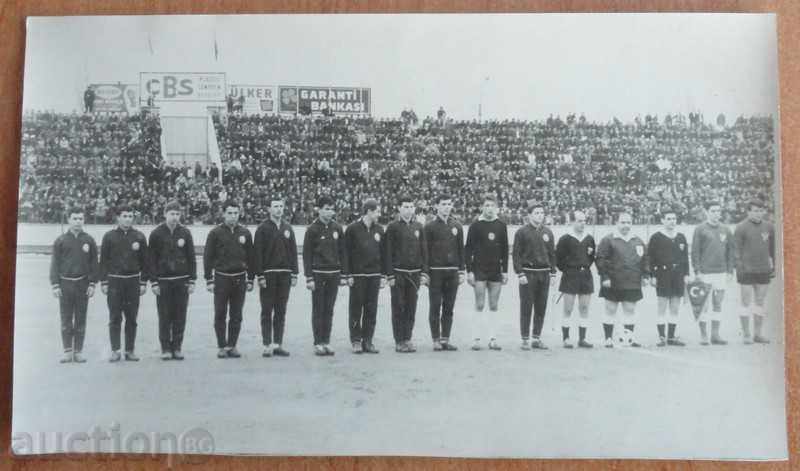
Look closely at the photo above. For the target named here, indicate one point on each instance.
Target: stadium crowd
(572, 163)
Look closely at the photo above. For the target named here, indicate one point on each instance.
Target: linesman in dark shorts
(123, 275)
(486, 255)
(623, 268)
(534, 257)
(407, 255)
(755, 267)
(575, 253)
(668, 252)
(228, 271)
(366, 275)
(324, 259)
(73, 273)
(275, 263)
(445, 238)
(174, 271)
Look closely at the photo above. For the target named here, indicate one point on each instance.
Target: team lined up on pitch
(405, 256)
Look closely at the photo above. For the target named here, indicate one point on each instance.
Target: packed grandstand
(98, 161)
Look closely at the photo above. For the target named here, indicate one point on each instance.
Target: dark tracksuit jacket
(445, 241)
(534, 258)
(123, 268)
(487, 248)
(227, 263)
(713, 249)
(324, 260)
(173, 267)
(407, 254)
(755, 246)
(73, 268)
(366, 253)
(275, 261)
(624, 262)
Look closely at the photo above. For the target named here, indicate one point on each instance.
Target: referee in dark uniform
(324, 259)
(534, 261)
(73, 273)
(668, 253)
(445, 239)
(275, 264)
(173, 270)
(366, 275)
(227, 263)
(575, 254)
(407, 259)
(123, 276)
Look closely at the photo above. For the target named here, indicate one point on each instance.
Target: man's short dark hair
(324, 200)
(623, 213)
(533, 205)
(489, 197)
(405, 198)
(172, 206)
(370, 204)
(669, 210)
(442, 197)
(75, 210)
(754, 203)
(229, 204)
(275, 198)
(124, 208)
(711, 203)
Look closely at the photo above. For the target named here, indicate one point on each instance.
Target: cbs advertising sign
(182, 86)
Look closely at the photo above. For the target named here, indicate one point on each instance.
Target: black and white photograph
(448, 235)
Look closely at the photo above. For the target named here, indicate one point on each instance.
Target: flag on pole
(216, 47)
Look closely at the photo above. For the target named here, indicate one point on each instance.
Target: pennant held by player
(698, 292)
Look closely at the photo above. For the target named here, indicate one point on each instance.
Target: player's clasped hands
(523, 280)
(210, 287)
(461, 279)
(57, 292)
(310, 285)
(471, 279)
(90, 291)
(156, 290)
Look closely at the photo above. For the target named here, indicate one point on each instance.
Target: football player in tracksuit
(668, 252)
(366, 275)
(173, 270)
(73, 273)
(324, 259)
(123, 275)
(446, 270)
(227, 263)
(486, 260)
(755, 266)
(713, 261)
(275, 264)
(534, 257)
(624, 269)
(407, 255)
(575, 253)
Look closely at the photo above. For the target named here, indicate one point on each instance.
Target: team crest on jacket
(416, 234)
(181, 242)
(135, 246)
(491, 236)
(640, 250)
(85, 248)
(765, 236)
(287, 234)
(545, 237)
(377, 237)
(241, 239)
(335, 235)
(682, 247)
(454, 231)
(722, 238)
